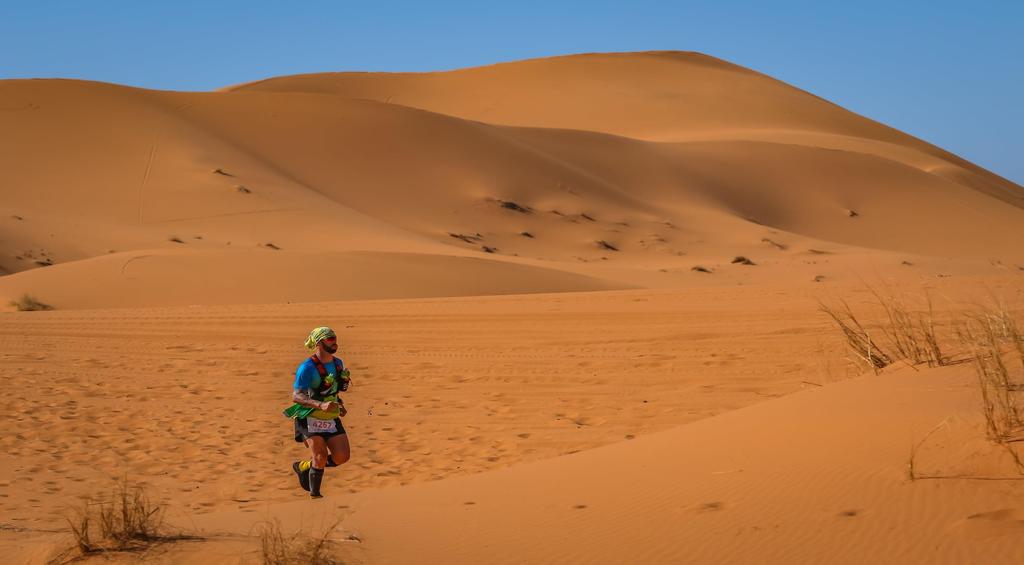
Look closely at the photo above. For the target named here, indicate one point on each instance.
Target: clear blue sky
(951, 73)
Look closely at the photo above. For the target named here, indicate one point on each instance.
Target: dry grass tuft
(509, 205)
(908, 333)
(989, 337)
(124, 519)
(996, 345)
(29, 304)
(857, 337)
(278, 548)
(468, 238)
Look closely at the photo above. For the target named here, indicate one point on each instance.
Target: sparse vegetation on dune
(907, 332)
(509, 205)
(989, 337)
(774, 244)
(858, 338)
(278, 548)
(122, 519)
(468, 238)
(27, 303)
(996, 346)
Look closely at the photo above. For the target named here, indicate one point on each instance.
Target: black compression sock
(316, 477)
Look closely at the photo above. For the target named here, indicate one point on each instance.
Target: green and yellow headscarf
(323, 332)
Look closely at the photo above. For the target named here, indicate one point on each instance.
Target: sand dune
(579, 297)
(638, 164)
(254, 277)
(655, 95)
(788, 481)
(658, 426)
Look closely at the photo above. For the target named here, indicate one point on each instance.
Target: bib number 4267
(317, 426)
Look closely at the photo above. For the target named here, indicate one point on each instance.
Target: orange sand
(577, 394)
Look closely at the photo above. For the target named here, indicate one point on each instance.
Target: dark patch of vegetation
(742, 260)
(700, 269)
(219, 171)
(270, 245)
(818, 252)
(774, 243)
(907, 263)
(29, 304)
(175, 239)
(17, 217)
(489, 249)
(509, 205)
(45, 262)
(588, 217)
(472, 239)
(819, 278)
(852, 213)
(526, 234)
(605, 245)
(243, 189)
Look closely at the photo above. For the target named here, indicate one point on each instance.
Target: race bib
(318, 426)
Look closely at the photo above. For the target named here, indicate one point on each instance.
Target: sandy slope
(521, 389)
(816, 477)
(617, 167)
(613, 404)
(655, 95)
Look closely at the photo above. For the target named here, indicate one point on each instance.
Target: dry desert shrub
(278, 548)
(123, 519)
(987, 336)
(996, 345)
(908, 332)
(29, 304)
(857, 337)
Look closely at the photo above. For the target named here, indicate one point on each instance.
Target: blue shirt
(306, 376)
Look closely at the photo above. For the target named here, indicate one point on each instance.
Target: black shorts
(302, 431)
